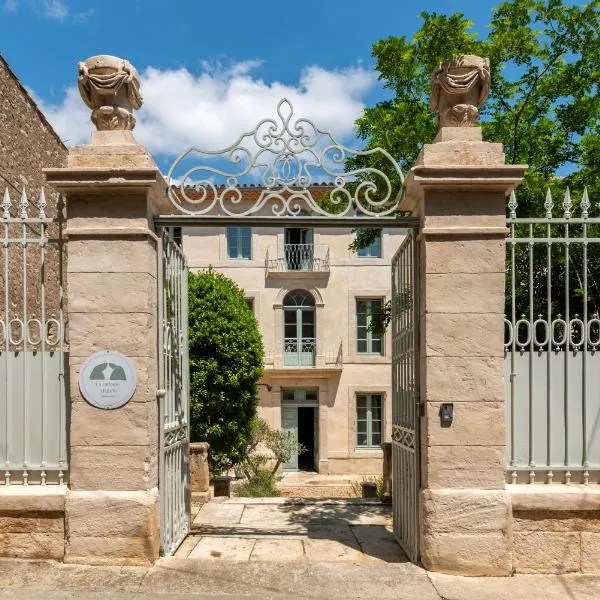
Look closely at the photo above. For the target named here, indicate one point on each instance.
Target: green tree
(543, 104)
(226, 362)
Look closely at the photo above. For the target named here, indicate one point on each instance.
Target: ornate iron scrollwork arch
(284, 157)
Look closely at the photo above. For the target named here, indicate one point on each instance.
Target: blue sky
(210, 69)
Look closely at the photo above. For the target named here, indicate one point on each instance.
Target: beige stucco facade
(339, 372)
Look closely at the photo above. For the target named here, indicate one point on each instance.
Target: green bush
(262, 484)
(226, 362)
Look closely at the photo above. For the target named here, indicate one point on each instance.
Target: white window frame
(370, 337)
(369, 420)
(239, 242)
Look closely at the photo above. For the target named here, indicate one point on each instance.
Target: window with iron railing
(299, 343)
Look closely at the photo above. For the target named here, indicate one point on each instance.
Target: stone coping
(32, 498)
(557, 497)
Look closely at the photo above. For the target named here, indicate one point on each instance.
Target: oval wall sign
(107, 379)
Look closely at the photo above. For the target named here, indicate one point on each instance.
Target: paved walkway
(282, 529)
(192, 579)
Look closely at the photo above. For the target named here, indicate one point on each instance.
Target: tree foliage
(543, 104)
(226, 362)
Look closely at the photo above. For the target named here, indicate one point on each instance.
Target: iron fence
(552, 343)
(33, 348)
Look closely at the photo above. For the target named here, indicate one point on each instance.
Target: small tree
(266, 451)
(226, 362)
(267, 445)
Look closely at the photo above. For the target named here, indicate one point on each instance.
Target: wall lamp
(267, 385)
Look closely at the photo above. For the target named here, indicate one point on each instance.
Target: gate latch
(446, 414)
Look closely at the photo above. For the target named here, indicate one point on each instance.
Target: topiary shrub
(226, 362)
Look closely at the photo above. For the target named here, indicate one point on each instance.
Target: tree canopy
(226, 362)
(543, 104)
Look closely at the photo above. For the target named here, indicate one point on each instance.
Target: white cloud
(55, 9)
(213, 108)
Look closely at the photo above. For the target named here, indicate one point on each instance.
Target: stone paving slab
(223, 548)
(278, 550)
(220, 513)
(312, 532)
(324, 551)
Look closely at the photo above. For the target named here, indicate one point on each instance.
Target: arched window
(299, 329)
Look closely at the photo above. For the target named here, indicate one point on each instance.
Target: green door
(289, 425)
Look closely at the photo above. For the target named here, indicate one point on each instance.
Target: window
(368, 420)
(250, 303)
(367, 342)
(373, 250)
(239, 242)
(175, 234)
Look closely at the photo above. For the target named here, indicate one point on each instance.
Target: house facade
(327, 376)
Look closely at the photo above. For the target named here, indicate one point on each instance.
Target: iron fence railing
(551, 345)
(298, 257)
(33, 347)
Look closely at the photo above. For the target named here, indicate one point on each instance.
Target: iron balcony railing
(313, 258)
(299, 352)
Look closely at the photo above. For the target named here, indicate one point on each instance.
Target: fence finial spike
(42, 204)
(512, 205)
(6, 205)
(23, 204)
(567, 204)
(548, 203)
(585, 204)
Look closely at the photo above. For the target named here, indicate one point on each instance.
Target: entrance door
(299, 420)
(289, 425)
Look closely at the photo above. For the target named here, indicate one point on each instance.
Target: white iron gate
(405, 396)
(174, 477)
(33, 352)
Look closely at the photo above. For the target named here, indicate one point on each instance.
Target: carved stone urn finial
(459, 86)
(110, 86)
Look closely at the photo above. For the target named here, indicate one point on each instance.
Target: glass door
(299, 249)
(300, 343)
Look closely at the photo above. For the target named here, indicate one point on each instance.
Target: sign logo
(107, 379)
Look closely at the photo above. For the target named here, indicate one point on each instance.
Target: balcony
(300, 360)
(297, 261)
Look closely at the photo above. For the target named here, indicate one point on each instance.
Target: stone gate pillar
(111, 186)
(458, 188)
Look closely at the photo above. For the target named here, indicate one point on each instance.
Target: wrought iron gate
(405, 396)
(174, 475)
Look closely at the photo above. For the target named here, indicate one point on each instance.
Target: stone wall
(27, 141)
(27, 145)
(555, 529)
(32, 522)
